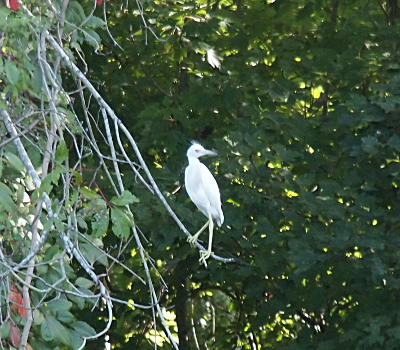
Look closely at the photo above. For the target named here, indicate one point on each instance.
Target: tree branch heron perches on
(203, 191)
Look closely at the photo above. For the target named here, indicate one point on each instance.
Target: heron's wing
(194, 187)
(212, 191)
(210, 186)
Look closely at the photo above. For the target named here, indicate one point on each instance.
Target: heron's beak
(209, 153)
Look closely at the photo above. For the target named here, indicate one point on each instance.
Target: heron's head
(196, 151)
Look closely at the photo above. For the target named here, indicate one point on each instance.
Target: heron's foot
(204, 255)
(192, 241)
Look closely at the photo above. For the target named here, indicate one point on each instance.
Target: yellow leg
(205, 254)
(192, 240)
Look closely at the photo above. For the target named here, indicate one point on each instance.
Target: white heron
(204, 193)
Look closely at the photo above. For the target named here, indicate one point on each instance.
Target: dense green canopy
(301, 100)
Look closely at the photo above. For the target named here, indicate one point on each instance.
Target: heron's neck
(193, 160)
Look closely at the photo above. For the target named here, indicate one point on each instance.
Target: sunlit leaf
(61, 152)
(125, 198)
(122, 221)
(89, 194)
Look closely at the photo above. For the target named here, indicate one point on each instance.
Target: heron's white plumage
(201, 185)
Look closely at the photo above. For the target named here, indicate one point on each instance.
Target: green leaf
(5, 330)
(50, 180)
(76, 340)
(92, 38)
(15, 161)
(78, 301)
(75, 13)
(6, 198)
(46, 185)
(12, 72)
(48, 224)
(65, 316)
(100, 223)
(38, 317)
(39, 344)
(93, 254)
(78, 177)
(394, 142)
(61, 152)
(394, 332)
(37, 81)
(124, 199)
(370, 144)
(20, 194)
(95, 22)
(84, 283)
(83, 328)
(122, 221)
(59, 305)
(52, 329)
(5, 12)
(88, 194)
(34, 155)
(389, 104)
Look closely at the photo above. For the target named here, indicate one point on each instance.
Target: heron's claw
(192, 241)
(204, 255)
